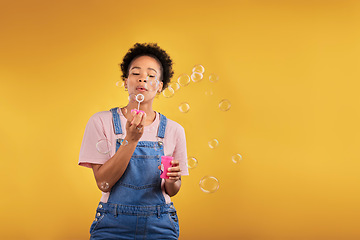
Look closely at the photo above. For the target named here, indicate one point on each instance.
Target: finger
(137, 119)
(174, 175)
(131, 118)
(174, 169)
(175, 163)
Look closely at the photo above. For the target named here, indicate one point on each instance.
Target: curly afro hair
(152, 50)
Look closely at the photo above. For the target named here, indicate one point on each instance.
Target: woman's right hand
(135, 126)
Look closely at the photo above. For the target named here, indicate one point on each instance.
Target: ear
(161, 84)
(125, 82)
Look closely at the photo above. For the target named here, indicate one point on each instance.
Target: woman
(135, 201)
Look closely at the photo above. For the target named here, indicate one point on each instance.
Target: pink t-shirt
(100, 128)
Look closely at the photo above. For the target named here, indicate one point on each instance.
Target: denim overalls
(136, 207)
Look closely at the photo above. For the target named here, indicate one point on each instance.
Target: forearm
(172, 188)
(111, 171)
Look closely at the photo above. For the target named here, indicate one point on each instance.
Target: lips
(142, 89)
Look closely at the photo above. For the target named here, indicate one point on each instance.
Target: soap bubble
(103, 146)
(192, 162)
(184, 107)
(209, 92)
(104, 186)
(209, 184)
(224, 105)
(196, 77)
(175, 86)
(213, 78)
(132, 97)
(119, 83)
(168, 92)
(213, 143)
(183, 80)
(124, 142)
(152, 83)
(198, 69)
(236, 158)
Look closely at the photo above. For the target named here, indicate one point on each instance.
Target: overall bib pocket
(142, 172)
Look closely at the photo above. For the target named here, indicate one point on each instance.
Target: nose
(143, 79)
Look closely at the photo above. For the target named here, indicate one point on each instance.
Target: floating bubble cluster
(209, 184)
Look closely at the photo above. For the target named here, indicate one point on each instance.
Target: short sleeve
(95, 148)
(180, 152)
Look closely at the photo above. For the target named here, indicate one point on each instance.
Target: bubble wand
(139, 98)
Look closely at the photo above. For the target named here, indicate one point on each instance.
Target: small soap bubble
(103, 146)
(175, 86)
(192, 162)
(153, 83)
(236, 158)
(209, 184)
(104, 186)
(184, 107)
(213, 143)
(224, 105)
(168, 92)
(124, 142)
(209, 92)
(196, 77)
(119, 83)
(213, 78)
(132, 97)
(183, 80)
(198, 68)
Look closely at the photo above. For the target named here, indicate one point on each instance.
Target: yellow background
(289, 68)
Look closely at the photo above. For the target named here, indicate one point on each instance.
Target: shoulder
(100, 119)
(175, 128)
(101, 116)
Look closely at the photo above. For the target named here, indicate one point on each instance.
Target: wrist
(131, 141)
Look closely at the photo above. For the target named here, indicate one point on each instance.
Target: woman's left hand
(173, 173)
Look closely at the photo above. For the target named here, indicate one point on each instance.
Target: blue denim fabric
(136, 207)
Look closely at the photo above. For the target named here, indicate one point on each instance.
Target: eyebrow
(140, 68)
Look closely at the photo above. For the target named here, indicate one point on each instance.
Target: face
(144, 77)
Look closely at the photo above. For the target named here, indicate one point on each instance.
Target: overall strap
(116, 120)
(162, 126)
